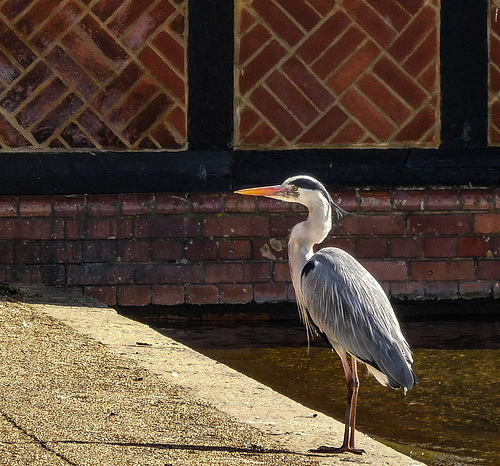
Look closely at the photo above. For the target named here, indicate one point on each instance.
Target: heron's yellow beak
(267, 191)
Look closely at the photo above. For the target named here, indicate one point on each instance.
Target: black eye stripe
(305, 183)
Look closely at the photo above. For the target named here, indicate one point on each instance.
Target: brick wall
(206, 248)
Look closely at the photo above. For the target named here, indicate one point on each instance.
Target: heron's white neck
(306, 234)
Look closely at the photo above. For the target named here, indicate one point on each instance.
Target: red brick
(420, 125)
(47, 252)
(270, 292)
(206, 202)
(6, 273)
(417, 29)
(169, 227)
(364, 110)
(167, 295)
(477, 199)
(197, 250)
(475, 289)
(235, 294)
(281, 24)
(312, 88)
(374, 225)
(281, 272)
(239, 203)
(103, 228)
(115, 251)
(171, 204)
(251, 42)
(371, 22)
(443, 199)
(314, 46)
(167, 273)
(406, 247)
(407, 289)
(387, 270)
(6, 253)
(276, 113)
(134, 295)
(138, 204)
(474, 246)
(35, 206)
(260, 65)
(486, 223)
(231, 226)
(347, 200)
(247, 122)
(371, 248)
(100, 274)
(147, 24)
(296, 103)
(234, 249)
(8, 206)
(400, 82)
(103, 294)
(381, 95)
(442, 270)
(46, 274)
(440, 247)
(444, 289)
(375, 200)
(266, 204)
(69, 206)
(339, 51)
(272, 249)
(166, 250)
(202, 294)
(103, 204)
(282, 225)
(488, 269)
(26, 229)
(248, 272)
(409, 200)
(431, 225)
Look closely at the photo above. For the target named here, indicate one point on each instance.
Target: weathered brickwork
(93, 75)
(331, 74)
(207, 248)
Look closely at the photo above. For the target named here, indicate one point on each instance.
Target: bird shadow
(253, 449)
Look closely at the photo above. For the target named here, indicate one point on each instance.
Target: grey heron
(340, 300)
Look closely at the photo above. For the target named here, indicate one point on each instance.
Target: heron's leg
(350, 414)
(354, 403)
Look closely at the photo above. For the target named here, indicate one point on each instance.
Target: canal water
(452, 417)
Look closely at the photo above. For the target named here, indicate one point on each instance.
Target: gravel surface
(66, 399)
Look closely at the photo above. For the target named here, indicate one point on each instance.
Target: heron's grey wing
(351, 309)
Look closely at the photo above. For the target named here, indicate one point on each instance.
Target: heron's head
(303, 189)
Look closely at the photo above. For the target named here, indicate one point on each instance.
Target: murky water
(452, 417)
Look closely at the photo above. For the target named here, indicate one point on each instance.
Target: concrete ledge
(294, 426)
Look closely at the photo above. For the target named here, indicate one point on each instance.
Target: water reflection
(451, 417)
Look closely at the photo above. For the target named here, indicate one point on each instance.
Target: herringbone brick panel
(101, 74)
(319, 73)
(494, 73)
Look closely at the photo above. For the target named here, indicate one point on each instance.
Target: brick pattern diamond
(353, 73)
(494, 73)
(102, 74)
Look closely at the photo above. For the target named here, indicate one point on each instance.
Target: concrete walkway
(81, 385)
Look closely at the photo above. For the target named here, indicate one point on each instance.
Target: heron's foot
(342, 449)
